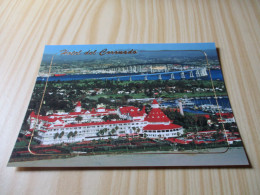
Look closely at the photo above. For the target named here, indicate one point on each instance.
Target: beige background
(27, 25)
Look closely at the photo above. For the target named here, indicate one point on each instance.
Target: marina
(201, 105)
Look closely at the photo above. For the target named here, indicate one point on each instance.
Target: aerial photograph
(129, 105)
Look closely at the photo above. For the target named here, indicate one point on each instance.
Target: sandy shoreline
(234, 156)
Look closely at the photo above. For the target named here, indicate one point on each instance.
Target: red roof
(207, 116)
(161, 127)
(45, 118)
(156, 115)
(128, 109)
(32, 114)
(155, 101)
(226, 115)
(138, 113)
(179, 141)
(43, 131)
(234, 139)
(78, 104)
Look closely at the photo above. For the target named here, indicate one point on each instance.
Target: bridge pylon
(182, 75)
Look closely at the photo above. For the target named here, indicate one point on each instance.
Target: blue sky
(55, 49)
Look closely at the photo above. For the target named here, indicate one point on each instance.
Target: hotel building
(82, 125)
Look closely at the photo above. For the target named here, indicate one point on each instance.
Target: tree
(61, 134)
(105, 130)
(201, 121)
(116, 128)
(102, 132)
(70, 134)
(134, 129)
(105, 118)
(78, 118)
(75, 133)
(113, 131)
(56, 135)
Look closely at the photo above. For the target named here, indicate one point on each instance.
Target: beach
(233, 157)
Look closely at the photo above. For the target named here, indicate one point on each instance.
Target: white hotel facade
(84, 125)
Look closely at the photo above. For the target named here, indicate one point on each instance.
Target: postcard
(129, 105)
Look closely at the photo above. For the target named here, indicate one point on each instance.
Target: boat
(185, 102)
(59, 75)
(210, 108)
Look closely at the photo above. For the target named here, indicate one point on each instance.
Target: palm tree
(70, 134)
(61, 135)
(56, 135)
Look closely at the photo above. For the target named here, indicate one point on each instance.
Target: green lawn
(164, 94)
